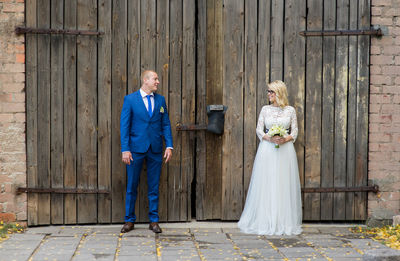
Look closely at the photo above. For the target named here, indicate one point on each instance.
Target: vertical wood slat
(341, 90)
(31, 109)
(162, 60)
(201, 109)
(232, 150)
(133, 64)
(188, 106)
(250, 92)
(147, 62)
(56, 107)
(277, 25)
(361, 177)
(312, 130)
(264, 53)
(294, 69)
(87, 111)
(212, 208)
(104, 111)
(119, 90)
(175, 106)
(351, 108)
(43, 138)
(70, 57)
(328, 97)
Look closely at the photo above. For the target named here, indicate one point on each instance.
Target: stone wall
(12, 112)
(384, 127)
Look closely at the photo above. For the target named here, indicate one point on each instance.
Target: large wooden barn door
(76, 82)
(250, 43)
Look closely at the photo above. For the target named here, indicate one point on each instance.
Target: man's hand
(167, 155)
(127, 157)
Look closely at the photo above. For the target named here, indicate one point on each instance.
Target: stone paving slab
(216, 242)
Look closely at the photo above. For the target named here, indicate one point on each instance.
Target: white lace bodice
(272, 115)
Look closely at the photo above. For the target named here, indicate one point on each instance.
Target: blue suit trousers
(154, 163)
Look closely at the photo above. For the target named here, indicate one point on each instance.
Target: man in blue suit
(144, 123)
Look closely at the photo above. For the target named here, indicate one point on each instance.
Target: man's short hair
(145, 74)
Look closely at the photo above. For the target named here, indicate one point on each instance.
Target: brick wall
(384, 127)
(12, 112)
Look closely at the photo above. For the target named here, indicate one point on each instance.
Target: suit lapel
(140, 102)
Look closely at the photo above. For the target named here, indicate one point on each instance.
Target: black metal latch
(372, 32)
(373, 188)
(29, 30)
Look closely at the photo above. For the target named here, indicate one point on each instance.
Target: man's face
(151, 81)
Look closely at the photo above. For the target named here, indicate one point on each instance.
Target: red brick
(7, 217)
(6, 97)
(20, 58)
(20, 47)
(375, 50)
(19, 77)
(20, 117)
(391, 50)
(380, 137)
(373, 147)
(380, 98)
(381, 79)
(392, 12)
(390, 109)
(381, 2)
(375, 108)
(14, 87)
(18, 97)
(397, 60)
(374, 118)
(396, 98)
(391, 89)
(13, 8)
(374, 127)
(12, 107)
(376, 10)
(13, 67)
(383, 41)
(381, 59)
(375, 69)
(397, 38)
(381, 20)
(375, 89)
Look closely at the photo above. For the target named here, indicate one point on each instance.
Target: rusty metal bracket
(374, 188)
(181, 127)
(62, 191)
(372, 32)
(28, 30)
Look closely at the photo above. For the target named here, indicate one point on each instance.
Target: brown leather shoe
(128, 226)
(155, 227)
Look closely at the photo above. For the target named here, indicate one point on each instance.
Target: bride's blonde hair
(281, 94)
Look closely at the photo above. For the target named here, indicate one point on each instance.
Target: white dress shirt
(146, 103)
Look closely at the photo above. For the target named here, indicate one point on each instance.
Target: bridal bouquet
(277, 130)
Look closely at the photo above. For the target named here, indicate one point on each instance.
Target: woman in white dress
(273, 203)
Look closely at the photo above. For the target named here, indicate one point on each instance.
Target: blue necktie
(150, 109)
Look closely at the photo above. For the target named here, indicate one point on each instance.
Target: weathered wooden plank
(70, 112)
(43, 77)
(214, 84)
(352, 109)
(264, 53)
(277, 25)
(232, 152)
(361, 178)
(175, 106)
(147, 62)
(312, 130)
(294, 69)
(104, 110)
(341, 90)
(201, 115)
(134, 71)
(87, 111)
(328, 108)
(188, 106)
(31, 111)
(250, 92)
(162, 63)
(119, 90)
(56, 107)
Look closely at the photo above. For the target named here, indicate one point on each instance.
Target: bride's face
(271, 96)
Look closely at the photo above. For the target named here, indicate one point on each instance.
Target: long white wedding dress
(273, 203)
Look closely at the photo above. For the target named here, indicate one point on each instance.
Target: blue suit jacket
(138, 130)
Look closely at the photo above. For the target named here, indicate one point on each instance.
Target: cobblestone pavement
(190, 241)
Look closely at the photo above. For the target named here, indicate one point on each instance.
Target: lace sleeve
(293, 125)
(260, 125)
